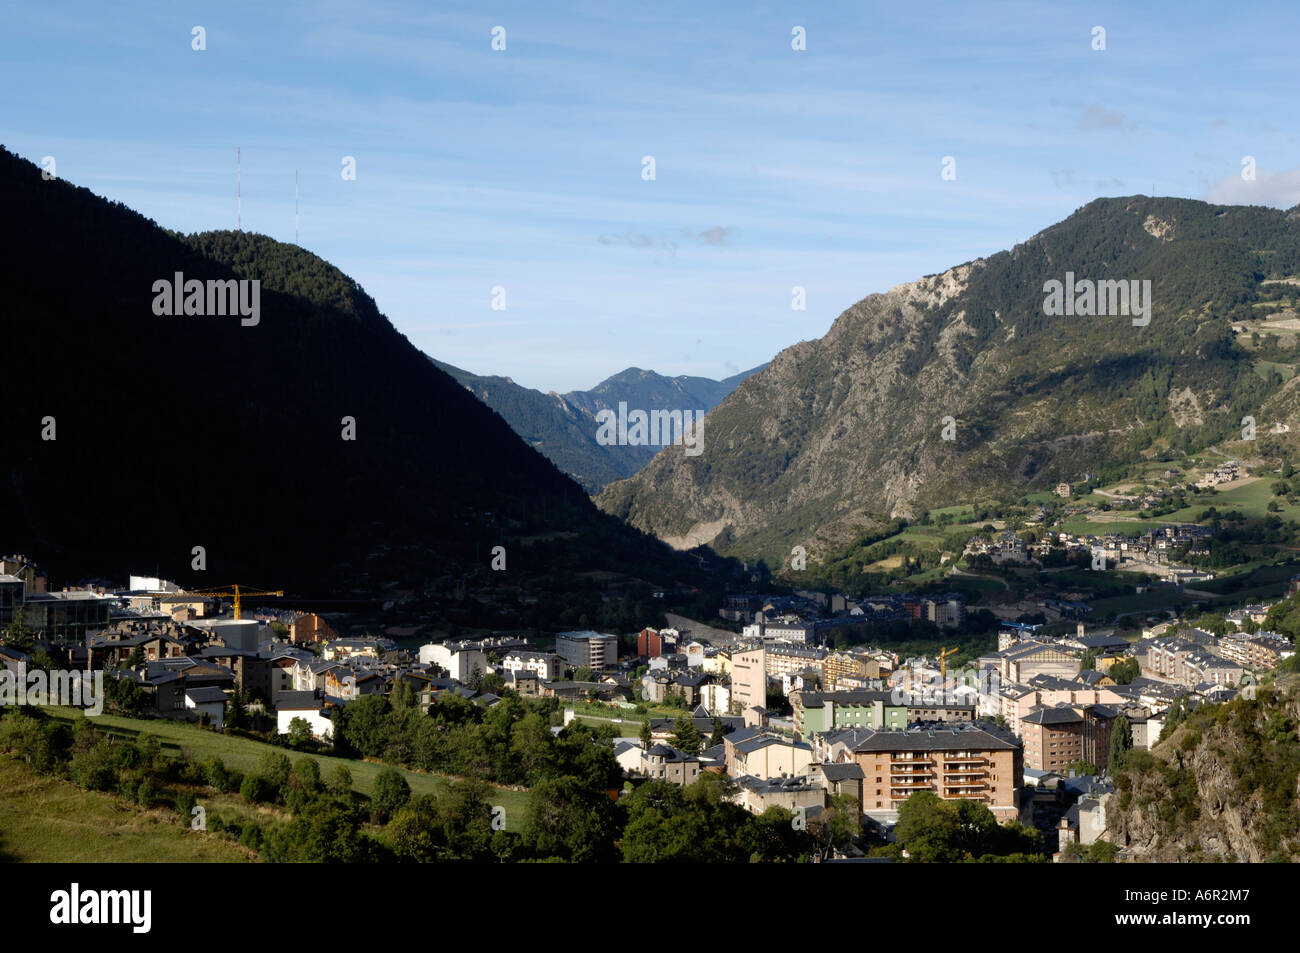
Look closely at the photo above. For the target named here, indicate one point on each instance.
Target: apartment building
(816, 712)
(1261, 651)
(749, 678)
(783, 659)
(545, 665)
(1057, 736)
(961, 762)
(841, 665)
(595, 650)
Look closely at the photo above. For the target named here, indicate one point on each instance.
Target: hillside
(1221, 787)
(838, 435)
(564, 426)
(172, 432)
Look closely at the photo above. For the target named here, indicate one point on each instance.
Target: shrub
(255, 789)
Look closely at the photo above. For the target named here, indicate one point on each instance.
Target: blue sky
(522, 168)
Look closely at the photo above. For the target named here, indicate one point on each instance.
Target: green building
(816, 712)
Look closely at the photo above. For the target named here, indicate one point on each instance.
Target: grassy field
(47, 820)
(200, 744)
(1251, 498)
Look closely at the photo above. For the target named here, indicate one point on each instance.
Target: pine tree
(646, 737)
(1121, 743)
(18, 635)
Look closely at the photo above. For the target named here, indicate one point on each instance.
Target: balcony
(971, 787)
(964, 759)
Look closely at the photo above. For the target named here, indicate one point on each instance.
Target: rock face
(1221, 787)
(960, 387)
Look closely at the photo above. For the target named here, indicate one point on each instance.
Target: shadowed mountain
(131, 437)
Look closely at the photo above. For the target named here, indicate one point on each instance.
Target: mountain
(564, 426)
(132, 437)
(840, 434)
(1221, 787)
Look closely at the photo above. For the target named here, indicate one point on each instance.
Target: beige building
(768, 756)
(956, 763)
(665, 763)
(749, 679)
(1055, 737)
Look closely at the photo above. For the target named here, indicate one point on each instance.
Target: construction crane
(944, 654)
(237, 593)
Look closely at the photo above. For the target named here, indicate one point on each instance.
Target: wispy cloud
(1278, 189)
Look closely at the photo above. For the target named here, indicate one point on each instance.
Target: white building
(545, 665)
(458, 658)
(308, 707)
(210, 701)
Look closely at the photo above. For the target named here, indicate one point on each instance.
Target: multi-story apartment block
(781, 659)
(1261, 651)
(1055, 737)
(595, 650)
(966, 762)
(816, 712)
(839, 665)
(545, 665)
(749, 678)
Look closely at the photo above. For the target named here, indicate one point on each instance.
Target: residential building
(66, 618)
(305, 705)
(460, 660)
(1055, 737)
(796, 794)
(311, 628)
(816, 712)
(595, 650)
(749, 678)
(546, 666)
(665, 763)
(961, 762)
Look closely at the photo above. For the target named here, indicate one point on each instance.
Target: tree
(686, 737)
(1088, 663)
(718, 733)
(340, 781)
(647, 739)
(584, 674)
(1121, 743)
(1124, 671)
(275, 768)
(237, 717)
(570, 821)
(391, 793)
(299, 734)
(306, 775)
(18, 635)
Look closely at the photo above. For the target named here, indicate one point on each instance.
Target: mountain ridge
(563, 426)
(840, 434)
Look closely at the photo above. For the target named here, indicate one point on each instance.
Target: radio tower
(239, 196)
(295, 206)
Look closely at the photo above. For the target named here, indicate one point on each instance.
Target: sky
(523, 168)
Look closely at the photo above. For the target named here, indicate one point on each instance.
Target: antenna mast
(239, 195)
(295, 206)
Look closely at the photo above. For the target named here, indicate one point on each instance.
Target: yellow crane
(943, 660)
(237, 592)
